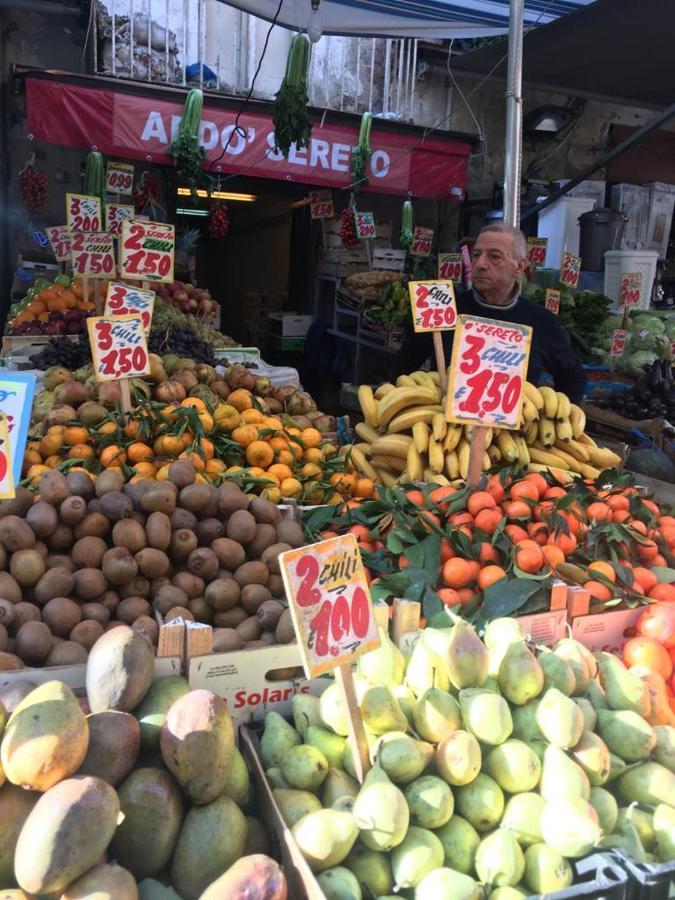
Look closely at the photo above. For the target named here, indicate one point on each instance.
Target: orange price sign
(321, 205)
(125, 300)
(570, 269)
(450, 266)
(118, 347)
(422, 240)
(115, 214)
(92, 253)
(119, 178)
(487, 371)
(7, 489)
(330, 603)
(433, 305)
(618, 344)
(630, 288)
(59, 240)
(147, 251)
(83, 212)
(536, 251)
(552, 301)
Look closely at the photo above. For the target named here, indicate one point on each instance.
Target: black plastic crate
(647, 881)
(597, 877)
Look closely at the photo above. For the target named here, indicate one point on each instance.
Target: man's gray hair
(519, 239)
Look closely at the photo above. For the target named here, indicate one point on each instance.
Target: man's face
(495, 269)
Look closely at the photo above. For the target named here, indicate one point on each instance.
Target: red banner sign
(135, 125)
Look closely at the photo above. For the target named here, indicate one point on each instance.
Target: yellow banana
(363, 447)
(452, 437)
(563, 429)
(494, 453)
(385, 477)
(368, 405)
(404, 421)
(532, 432)
(586, 440)
(589, 471)
(489, 437)
(577, 420)
(366, 433)
(435, 478)
(567, 459)
(435, 377)
(420, 433)
(468, 432)
(362, 464)
(546, 457)
(414, 463)
(603, 458)
(546, 431)
(507, 446)
(405, 381)
(392, 445)
(424, 379)
(452, 465)
(533, 395)
(384, 389)
(522, 448)
(564, 406)
(392, 463)
(401, 398)
(436, 459)
(561, 475)
(439, 426)
(529, 410)
(463, 452)
(550, 398)
(577, 450)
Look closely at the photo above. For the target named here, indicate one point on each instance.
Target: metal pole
(387, 77)
(514, 114)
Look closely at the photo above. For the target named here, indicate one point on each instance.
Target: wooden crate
(608, 424)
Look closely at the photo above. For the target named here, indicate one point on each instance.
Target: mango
(107, 881)
(514, 766)
(460, 841)
(114, 742)
(499, 859)
(339, 883)
(152, 709)
(251, 876)
(546, 871)
(120, 669)
(15, 806)
(419, 853)
(481, 802)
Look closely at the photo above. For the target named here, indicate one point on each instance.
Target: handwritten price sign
(422, 240)
(16, 402)
(93, 254)
(59, 239)
(115, 214)
(630, 288)
(119, 178)
(450, 266)
(433, 305)
(536, 251)
(83, 212)
(124, 300)
(330, 603)
(321, 205)
(618, 344)
(570, 269)
(552, 301)
(365, 225)
(487, 371)
(146, 251)
(118, 347)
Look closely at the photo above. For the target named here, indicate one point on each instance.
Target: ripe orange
(84, 451)
(245, 435)
(553, 555)
(138, 452)
(447, 550)
(538, 532)
(658, 621)
(488, 554)
(516, 533)
(554, 493)
(618, 503)
(538, 481)
(415, 497)
(311, 437)
(457, 573)
(75, 434)
(480, 500)
(495, 487)
(603, 568)
(466, 595)
(112, 456)
(259, 453)
(598, 591)
(524, 490)
(291, 487)
(648, 550)
(449, 596)
(489, 575)
(565, 542)
(364, 488)
(360, 532)
(518, 509)
(279, 471)
(461, 518)
(598, 512)
(648, 652)
(662, 592)
(241, 399)
(620, 515)
(487, 520)
(528, 556)
(441, 495)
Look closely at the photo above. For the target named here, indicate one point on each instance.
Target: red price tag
(422, 240)
(330, 603)
(321, 205)
(124, 300)
(450, 266)
(433, 305)
(119, 178)
(552, 301)
(59, 239)
(365, 225)
(118, 347)
(630, 288)
(7, 489)
(487, 371)
(147, 251)
(618, 344)
(115, 214)
(570, 269)
(83, 212)
(93, 254)
(536, 251)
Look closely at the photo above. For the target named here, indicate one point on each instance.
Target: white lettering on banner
(294, 156)
(319, 154)
(175, 124)
(274, 154)
(237, 144)
(154, 129)
(212, 141)
(340, 157)
(380, 156)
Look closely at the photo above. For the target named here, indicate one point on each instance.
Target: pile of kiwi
(83, 556)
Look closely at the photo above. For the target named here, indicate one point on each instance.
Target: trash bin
(599, 230)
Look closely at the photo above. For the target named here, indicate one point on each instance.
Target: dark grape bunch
(33, 188)
(219, 223)
(348, 228)
(183, 342)
(60, 351)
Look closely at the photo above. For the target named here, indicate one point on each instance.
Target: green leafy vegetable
(185, 148)
(291, 122)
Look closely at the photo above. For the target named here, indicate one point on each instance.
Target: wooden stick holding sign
(119, 350)
(334, 621)
(434, 310)
(487, 372)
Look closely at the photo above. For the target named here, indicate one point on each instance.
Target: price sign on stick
(118, 347)
(570, 269)
(630, 288)
(59, 239)
(618, 344)
(422, 240)
(321, 205)
(16, 402)
(7, 489)
(119, 178)
(83, 212)
(536, 251)
(115, 214)
(487, 371)
(365, 224)
(552, 301)
(124, 300)
(450, 266)
(147, 251)
(93, 254)
(433, 305)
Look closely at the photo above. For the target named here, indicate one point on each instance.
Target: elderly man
(498, 259)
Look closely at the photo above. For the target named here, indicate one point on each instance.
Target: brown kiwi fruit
(130, 609)
(115, 505)
(6, 612)
(96, 611)
(18, 505)
(61, 614)
(136, 491)
(231, 499)
(169, 596)
(119, 566)
(249, 629)
(42, 518)
(195, 497)
(183, 542)
(61, 538)
(16, 534)
(53, 487)
(33, 643)
(241, 526)
(80, 485)
(264, 512)
(161, 497)
(67, 653)
(208, 530)
(230, 553)
(229, 618)
(290, 532)
(89, 583)
(8, 662)
(94, 505)
(137, 587)
(179, 612)
(27, 567)
(265, 536)
(146, 625)
(73, 510)
(86, 633)
(108, 481)
(158, 530)
(182, 473)
(60, 561)
(128, 533)
(183, 518)
(39, 547)
(253, 596)
(201, 610)
(285, 632)
(260, 644)
(252, 573)
(4, 557)
(9, 588)
(212, 508)
(203, 562)
(57, 582)
(270, 556)
(268, 614)
(193, 585)
(269, 637)
(4, 641)
(94, 525)
(152, 563)
(23, 612)
(88, 551)
(156, 585)
(276, 585)
(109, 599)
(225, 640)
(223, 593)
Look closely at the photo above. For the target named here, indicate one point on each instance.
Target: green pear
(306, 711)
(560, 719)
(486, 715)
(491, 684)
(570, 827)
(406, 700)
(330, 744)
(575, 655)
(333, 710)
(502, 632)
(627, 839)
(385, 666)
(380, 811)
(664, 829)
(626, 733)
(372, 869)
(596, 695)
(593, 755)
(238, 782)
(588, 711)
(343, 804)
(293, 805)
(514, 766)
(467, 657)
(339, 883)
(521, 816)
(606, 807)
(275, 778)
(561, 777)
(546, 871)
(447, 883)
(557, 673)
(648, 784)
(539, 748)
(402, 757)
(481, 802)
(337, 784)
(525, 726)
(624, 691)
(304, 768)
(438, 640)
(325, 837)
(257, 838)
(664, 749)
(458, 758)
(643, 822)
(617, 766)
(460, 841)
(277, 739)
(507, 893)
(436, 715)
(380, 711)
(520, 676)
(499, 859)
(426, 669)
(419, 853)
(430, 801)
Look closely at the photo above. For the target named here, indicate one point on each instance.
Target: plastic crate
(600, 876)
(647, 881)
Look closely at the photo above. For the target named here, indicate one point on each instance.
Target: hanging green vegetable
(362, 153)
(185, 148)
(94, 175)
(407, 225)
(291, 122)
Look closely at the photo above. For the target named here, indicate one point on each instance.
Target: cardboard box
(578, 601)
(607, 630)
(289, 324)
(74, 676)
(558, 596)
(545, 628)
